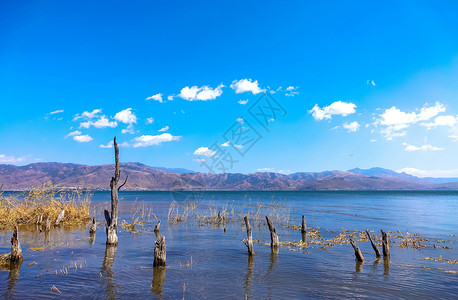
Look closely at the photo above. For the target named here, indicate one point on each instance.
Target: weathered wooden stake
(385, 244)
(273, 233)
(112, 219)
(156, 228)
(60, 217)
(374, 246)
(304, 225)
(16, 252)
(358, 254)
(93, 227)
(159, 252)
(249, 241)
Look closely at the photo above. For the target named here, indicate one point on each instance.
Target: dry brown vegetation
(47, 201)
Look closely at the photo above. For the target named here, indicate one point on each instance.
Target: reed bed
(46, 201)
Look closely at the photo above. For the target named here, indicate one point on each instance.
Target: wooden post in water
(93, 228)
(249, 241)
(60, 217)
(385, 244)
(16, 252)
(358, 254)
(112, 219)
(304, 225)
(159, 252)
(273, 234)
(374, 246)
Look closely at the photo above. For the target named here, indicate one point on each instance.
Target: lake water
(208, 259)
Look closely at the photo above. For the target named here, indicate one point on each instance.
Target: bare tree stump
(273, 233)
(93, 228)
(374, 246)
(249, 241)
(60, 217)
(358, 254)
(304, 225)
(156, 228)
(39, 219)
(385, 244)
(112, 219)
(159, 252)
(48, 225)
(16, 252)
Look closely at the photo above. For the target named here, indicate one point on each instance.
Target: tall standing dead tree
(385, 244)
(374, 246)
(112, 219)
(273, 234)
(249, 240)
(304, 225)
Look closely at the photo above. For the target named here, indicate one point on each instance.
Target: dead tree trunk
(358, 254)
(385, 244)
(48, 225)
(60, 217)
(16, 252)
(273, 233)
(156, 228)
(159, 252)
(93, 228)
(374, 246)
(249, 241)
(304, 225)
(112, 219)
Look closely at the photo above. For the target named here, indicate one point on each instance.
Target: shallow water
(205, 262)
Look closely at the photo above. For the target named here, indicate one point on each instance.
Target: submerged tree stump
(156, 228)
(358, 254)
(374, 246)
(159, 252)
(16, 252)
(93, 228)
(249, 241)
(273, 234)
(60, 217)
(112, 219)
(48, 225)
(304, 225)
(385, 244)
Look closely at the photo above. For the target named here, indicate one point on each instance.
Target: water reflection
(158, 280)
(386, 266)
(249, 275)
(14, 269)
(304, 237)
(107, 270)
(359, 266)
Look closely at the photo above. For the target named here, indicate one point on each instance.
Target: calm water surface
(204, 262)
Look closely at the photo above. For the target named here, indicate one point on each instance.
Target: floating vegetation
(45, 202)
(37, 249)
(442, 260)
(130, 227)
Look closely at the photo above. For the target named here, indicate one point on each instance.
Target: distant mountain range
(142, 177)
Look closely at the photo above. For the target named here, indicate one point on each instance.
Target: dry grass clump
(46, 201)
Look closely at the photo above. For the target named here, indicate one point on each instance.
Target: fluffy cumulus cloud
(83, 138)
(103, 122)
(441, 121)
(395, 121)
(351, 127)
(129, 129)
(126, 116)
(73, 133)
(203, 93)
(157, 97)
(110, 145)
(205, 152)
(336, 108)
(246, 85)
(152, 140)
(425, 147)
(164, 129)
(88, 115)
(5, 159)
(430, 173)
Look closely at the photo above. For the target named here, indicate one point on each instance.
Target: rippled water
(206, 262)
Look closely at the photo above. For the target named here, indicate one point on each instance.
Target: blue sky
(360, 84)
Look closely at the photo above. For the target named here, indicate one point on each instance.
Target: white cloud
(430, 173)
(246, 85)
(109, 145)
(203, 93)
(170, 97)
(82, 138)
(205, 152)
(226, 144)
(126, 116)
(396, 120)
(372, 141)
(73, 133)
(425, 147)
(238, 146)
(266, 170)
(291, 91)
(149, 120)
(284, 172)
(454, 137)
(152, 140)
(88, 115)
(243, 102)
(10, 159)
(103, 122)
(157, 97)
(56, 112)
(370, 82)
(336, 108)
(441, 121)
(240, 120)
(200, 159)
(351, 127)
(163, 129)
(129, 129)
